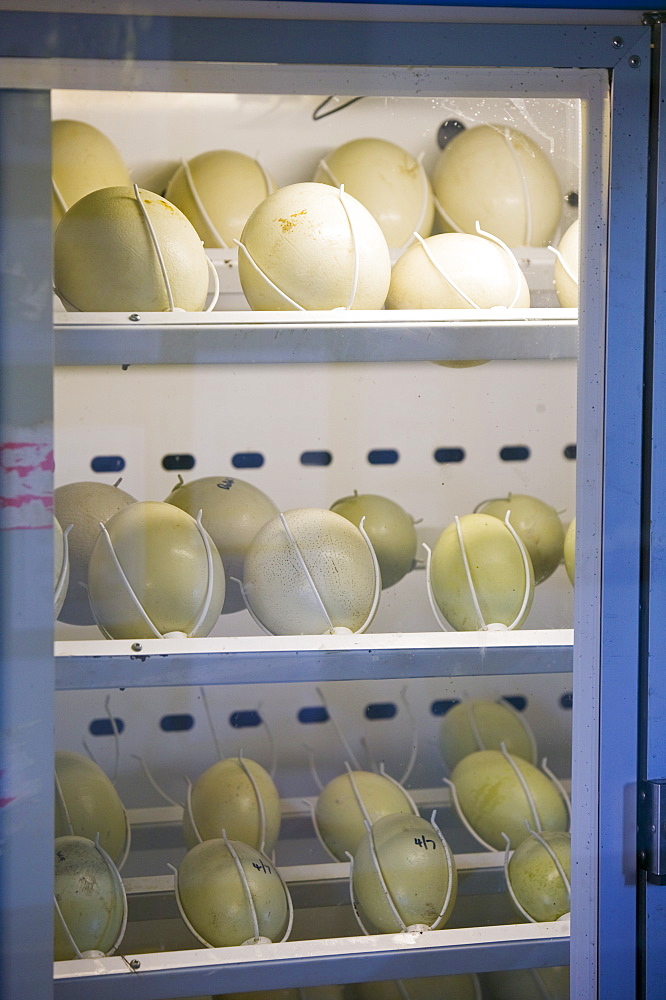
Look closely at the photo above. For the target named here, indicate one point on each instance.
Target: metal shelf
(114, 663)
(295, 337)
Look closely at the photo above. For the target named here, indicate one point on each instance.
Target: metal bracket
(652, 830)
(653, 17)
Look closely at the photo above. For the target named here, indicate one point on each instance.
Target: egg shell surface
(104, 258)
(498, 176)
(535, 879)
(390, 529)
(339, 816)
(83, 505)
(566, 278)
(570, 550)
(233, 511)
(339, 563)
(482, 724)
(93, 806)
(539, 526)
(488, 275)
(497, 570)
(228, 184)
(213, 895)
(90, 896)
(388, 181)
(83, 159)
(306, 243)
(224, 798)
(493, 800)
(417, 869)
(164, 558)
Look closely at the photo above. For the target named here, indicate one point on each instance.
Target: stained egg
(309, 246)
(404, 875)
(105, 258)
(225, 906)
(237, 796)
(90, 900)
(346, 802)
(88, 805)
(156, 571)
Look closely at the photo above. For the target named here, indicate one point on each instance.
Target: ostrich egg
(536, 879)
(499, 177)
(104, 257)
(155, 555)
(570, 550)
(91, 899)
(539, 527)
(218, 900)
(497, 794)
(565, 271)
(497, 569)
(457, 271)
(88, 805)
(390, 529)
(344, 803)
(481, 724)
(388, 180)
(407, 858)
(83, 160)
(60, 568)
(460, 987)
(83, 506)
(322, 559)
(310, 246)
(233, 511)
(226, 798)
(218, 191)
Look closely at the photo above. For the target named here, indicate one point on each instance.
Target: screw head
(135, 964)
(634, 61)
(617, 42)
(137, 647)
(134, 317)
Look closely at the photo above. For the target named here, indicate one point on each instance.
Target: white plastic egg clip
(483, 626)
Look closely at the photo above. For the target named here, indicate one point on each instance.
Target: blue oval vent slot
(108, 463)
(444, 456)
(244, 720)
(383, 456)
(103, 727)
(381, 710)
(177, 723)
(443, 705)
(514, 453)
(247, 460)
(178, 463)
(316, 458)
(317, 713)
